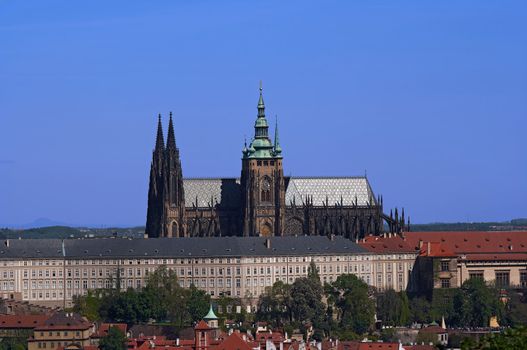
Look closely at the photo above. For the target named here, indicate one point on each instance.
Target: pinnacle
(160, 143)
(171, 138)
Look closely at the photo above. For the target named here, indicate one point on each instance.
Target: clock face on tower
(266, 186)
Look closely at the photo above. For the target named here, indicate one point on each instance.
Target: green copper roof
(277, 148)
(211, 315)
(261, 146)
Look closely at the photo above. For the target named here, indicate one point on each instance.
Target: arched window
(265, 193)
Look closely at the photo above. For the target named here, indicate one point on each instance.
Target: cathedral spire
(261, 105)
(160, 143)
(261, 146)
(277, 148)
(171, 138)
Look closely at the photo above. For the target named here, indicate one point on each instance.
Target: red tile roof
(378, 346)
(68, 321)
(105, 327)
(235, 341)
(202, 326)
(386, 244)
(433, 329)
(479, 242)
(436, 249)
(22, 321)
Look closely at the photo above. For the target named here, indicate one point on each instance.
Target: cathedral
(262, 201)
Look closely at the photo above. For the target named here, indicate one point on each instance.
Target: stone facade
(234, 266)
(262, 202)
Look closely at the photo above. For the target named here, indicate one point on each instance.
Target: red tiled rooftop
(202, 326)
(22, 321)
(388, 244)
(378, 346)
(465, 242)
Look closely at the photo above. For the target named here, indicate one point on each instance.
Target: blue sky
(430, 97)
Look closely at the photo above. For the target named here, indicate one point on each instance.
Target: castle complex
(262, 201)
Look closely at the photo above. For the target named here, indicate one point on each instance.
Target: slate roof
(334, 188)
(222, 191)
(226, 192)
(183, 247)
(26, 248)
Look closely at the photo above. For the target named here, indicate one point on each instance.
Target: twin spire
(171, 138)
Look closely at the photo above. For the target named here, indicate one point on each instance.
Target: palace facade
(50, 272)
(262, 201)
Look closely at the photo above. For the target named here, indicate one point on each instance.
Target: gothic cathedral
(262, 202)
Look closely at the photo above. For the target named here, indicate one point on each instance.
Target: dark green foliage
(443, 305)
(115, 340)
(515, 313)
(275, 304)
(198, 302)
(306, 302)
(162, 299)
(13, 343)
(88, 305)
(510, 339)
(475, 303)
(420, 310)
(393, 308)
(355, 309)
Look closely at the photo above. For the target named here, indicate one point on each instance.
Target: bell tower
(262, 181)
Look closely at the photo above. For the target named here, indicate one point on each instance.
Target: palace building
(262, 201)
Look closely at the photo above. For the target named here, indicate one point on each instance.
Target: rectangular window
(445, 282)
(445, 266)
(523, 278)
(502, 278)
(476, 274)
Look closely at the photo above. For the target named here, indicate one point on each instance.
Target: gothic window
(265, 194)
(173, 190)
(175, 229)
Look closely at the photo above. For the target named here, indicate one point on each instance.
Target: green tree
(13, 344)
(355, 308)
(393, 308)
(114, 340)
(476, 303)
(198, 302)
(88, 305)
(306, 304)
(511, 339)
(420, 309)
(275, 304)
(516, 309)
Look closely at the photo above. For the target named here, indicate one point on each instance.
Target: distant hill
(513, 225)
(138, 231)
(71, 232)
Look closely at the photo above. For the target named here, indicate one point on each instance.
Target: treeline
(64, 232)
(345, 308)
(162, 300)
(471, 226)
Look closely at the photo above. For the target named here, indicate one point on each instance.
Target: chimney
(268, 243)
(7, 243)
(420, 243)
(428, 249)
(177, 341)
